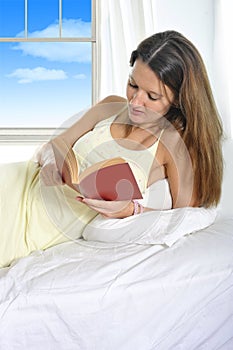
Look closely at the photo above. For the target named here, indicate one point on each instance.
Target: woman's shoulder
(113, 98)
(171, 137)
(171, 144)
(110, 106)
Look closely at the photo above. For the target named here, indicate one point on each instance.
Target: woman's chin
(136, 119)
(140, 117)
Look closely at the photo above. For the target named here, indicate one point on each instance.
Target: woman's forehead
(147, 78)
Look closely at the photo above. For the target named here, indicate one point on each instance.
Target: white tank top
(99, 145)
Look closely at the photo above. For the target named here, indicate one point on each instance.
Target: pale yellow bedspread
(34, 216)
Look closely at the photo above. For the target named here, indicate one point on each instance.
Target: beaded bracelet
(138, 208)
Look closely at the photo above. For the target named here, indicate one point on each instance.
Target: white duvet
(96, 294)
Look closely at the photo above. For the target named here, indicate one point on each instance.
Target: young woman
(168, 129)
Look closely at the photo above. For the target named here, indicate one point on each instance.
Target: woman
(169, 129)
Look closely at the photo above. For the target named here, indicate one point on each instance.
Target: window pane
(76, 18)
(12, 15)
(43, 16)
(43, 84)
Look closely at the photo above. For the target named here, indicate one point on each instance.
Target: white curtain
(223, 62)
(121, 25)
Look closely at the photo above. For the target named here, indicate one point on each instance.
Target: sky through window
(44, 83)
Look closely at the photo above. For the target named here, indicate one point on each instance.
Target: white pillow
(154, 227)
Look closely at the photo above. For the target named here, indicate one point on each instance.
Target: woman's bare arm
(177, 162)
(102, 110)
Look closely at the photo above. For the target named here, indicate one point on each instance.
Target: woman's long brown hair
(179, 65)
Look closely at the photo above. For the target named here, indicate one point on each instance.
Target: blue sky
(43, 84)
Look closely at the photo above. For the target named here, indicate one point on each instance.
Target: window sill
(27, 135)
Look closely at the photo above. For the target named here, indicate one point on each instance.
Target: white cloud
(79, 76)
(26, 75)
(62, 51)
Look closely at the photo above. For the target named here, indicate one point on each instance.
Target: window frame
(39, 135)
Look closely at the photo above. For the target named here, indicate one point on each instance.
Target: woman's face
(146, 96)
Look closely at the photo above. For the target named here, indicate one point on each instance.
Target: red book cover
(113, 182)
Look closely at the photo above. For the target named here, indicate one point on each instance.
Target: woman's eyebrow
(131, 77)
(150, 92)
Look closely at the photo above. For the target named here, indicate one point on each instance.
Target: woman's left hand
(110, 209)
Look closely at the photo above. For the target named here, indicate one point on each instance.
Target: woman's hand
(46, 160)
(110, 209)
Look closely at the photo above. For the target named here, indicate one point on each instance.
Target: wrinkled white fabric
(155, 227)
(93, 295)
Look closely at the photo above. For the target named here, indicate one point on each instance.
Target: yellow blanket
(34, 216)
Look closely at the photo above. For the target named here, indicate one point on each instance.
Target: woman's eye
(133, 85)
(152, 98)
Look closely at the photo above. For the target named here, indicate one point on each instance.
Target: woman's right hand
(46, 160)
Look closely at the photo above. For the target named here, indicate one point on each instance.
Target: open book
(112, 179)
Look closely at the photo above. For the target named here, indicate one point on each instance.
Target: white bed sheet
(115, 296)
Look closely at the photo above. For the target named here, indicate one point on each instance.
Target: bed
(173, 290)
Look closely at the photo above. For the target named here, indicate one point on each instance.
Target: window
(47, 64)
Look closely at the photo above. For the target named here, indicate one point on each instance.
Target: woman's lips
(137, 111)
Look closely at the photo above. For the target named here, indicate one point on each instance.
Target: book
(111, 179)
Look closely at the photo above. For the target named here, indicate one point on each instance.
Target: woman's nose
(138, 99)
